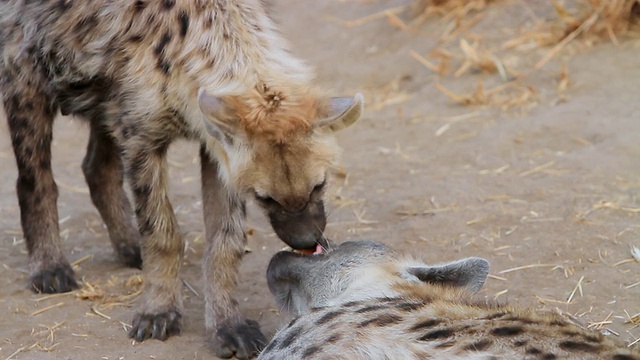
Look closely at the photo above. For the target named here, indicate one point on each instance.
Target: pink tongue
(317, 251)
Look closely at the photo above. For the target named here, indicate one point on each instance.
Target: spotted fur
(361, 300)
(143, 73)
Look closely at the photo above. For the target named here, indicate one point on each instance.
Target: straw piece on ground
(537, 168)
(18, 351)
(518, 268)
(40, 311)
(97, 312)
(578, 286)
(496, 277)
(368, 18)
(499, 293)
(546, 300)
(53, 296)
(556, 49)
(190, 288)
(597, 325)
(428, 64)
(81, 260)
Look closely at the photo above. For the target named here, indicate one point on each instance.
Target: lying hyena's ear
(343, 112)
(219, 120)
(469, 273)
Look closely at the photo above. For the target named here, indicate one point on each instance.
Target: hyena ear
(343, 112)
(218, 118)
(469, 273)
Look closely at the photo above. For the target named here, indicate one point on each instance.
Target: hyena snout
(301, 230)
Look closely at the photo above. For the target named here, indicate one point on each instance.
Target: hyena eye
(266, 200)
(319, 187)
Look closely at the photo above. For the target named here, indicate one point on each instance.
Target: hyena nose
(296, 206)
(302, 230)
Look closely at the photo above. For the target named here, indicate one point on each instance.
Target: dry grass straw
(115, 292)
(478, 59)
(537, 169)
(603, 18)
(586, 21)
(575, 289)
(389, 94)
(47, 308)
(597, 325)
(388, 13)
(607, 205)
(531, 266)
(47, 344)
(589, 20)
(447, 9)
(505, 96)
(635, 319)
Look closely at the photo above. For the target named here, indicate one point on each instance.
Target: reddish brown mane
(274, 114)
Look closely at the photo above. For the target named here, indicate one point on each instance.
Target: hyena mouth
(322, 247)
(318, 251)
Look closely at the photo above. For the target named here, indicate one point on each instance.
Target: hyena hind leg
(30, 115)
(104, 172)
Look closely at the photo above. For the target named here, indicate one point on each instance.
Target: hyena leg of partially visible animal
(224, 214)
(103, 171)
(162, 245)
(30, 115)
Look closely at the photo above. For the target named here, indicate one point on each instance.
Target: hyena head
(361, 270)
(279, 146)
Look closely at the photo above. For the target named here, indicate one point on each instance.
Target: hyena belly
(360, 300)
(143, 73)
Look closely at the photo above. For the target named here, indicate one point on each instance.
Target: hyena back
(144, 73)
(363, 301)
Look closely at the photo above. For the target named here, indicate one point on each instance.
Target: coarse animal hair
(144, 73)
(362, 300)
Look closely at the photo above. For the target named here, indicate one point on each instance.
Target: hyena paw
(156, 326)
(58, 279)
(244, 340)
(130, 256)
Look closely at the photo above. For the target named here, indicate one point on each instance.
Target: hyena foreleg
(159, 315)
(224, 215)
(30, 116)
(103, 171)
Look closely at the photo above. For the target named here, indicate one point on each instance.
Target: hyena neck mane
(407, 279)
(277, 113)
(445, 294)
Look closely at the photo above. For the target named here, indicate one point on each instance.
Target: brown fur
(363, 301)
(141, 72)
(272, 115)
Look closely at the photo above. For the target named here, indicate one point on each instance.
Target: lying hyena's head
(279, 145)
(360, 270)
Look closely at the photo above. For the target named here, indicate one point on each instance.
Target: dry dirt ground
(542, 182)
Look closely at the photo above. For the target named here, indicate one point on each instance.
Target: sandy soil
(550, 185)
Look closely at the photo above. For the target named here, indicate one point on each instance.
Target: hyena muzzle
(360, 300)
(143, 73)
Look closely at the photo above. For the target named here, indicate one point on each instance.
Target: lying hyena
(363, 301)
(144, 73)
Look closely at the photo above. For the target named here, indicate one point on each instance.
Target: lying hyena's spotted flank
(144, 73)
(363, 301)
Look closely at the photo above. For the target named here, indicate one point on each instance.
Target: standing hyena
(362, 301)
(144, 73)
